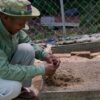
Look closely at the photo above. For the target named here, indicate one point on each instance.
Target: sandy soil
(75, 73)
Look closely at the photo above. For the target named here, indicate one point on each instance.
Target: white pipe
(63, 16)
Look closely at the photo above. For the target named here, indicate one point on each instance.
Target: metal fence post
(63, 17)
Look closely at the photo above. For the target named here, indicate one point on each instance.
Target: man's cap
(18, 8)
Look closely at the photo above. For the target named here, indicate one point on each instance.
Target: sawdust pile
(64, 76)
(76, 71)
(62, 79)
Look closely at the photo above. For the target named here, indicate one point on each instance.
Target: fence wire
(81, 17)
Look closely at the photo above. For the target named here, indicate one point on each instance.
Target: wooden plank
(74, 95)
(90, 46)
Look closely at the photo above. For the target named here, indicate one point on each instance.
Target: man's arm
(39, 52)
(21, 72)
(18, 72)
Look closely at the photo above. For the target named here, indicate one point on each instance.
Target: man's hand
(51, 68)
(56, 61)
(50, 58)
(52, 64)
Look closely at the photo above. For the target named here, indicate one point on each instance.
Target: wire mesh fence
(80, 17)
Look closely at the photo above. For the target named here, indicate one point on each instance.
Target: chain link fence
(65, 18)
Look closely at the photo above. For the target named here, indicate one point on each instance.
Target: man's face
(14, 24)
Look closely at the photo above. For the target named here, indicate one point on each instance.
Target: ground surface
(75, 73)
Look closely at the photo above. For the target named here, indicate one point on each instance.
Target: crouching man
(17, 52)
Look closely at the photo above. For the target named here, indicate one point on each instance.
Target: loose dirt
(76, 72)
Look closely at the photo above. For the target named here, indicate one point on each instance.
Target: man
(17, 52)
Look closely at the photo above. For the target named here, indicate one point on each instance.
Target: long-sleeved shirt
(8, 44)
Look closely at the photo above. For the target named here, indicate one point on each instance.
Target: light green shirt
(8, 44)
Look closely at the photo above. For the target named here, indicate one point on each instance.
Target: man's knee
(26, 47)
(15, 89)
(9, 90)
(25, 54)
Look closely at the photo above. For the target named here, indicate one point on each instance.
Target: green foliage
(46, 7)
(40, 36)
(89, 11)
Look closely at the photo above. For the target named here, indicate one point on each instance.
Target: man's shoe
(27, 94)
